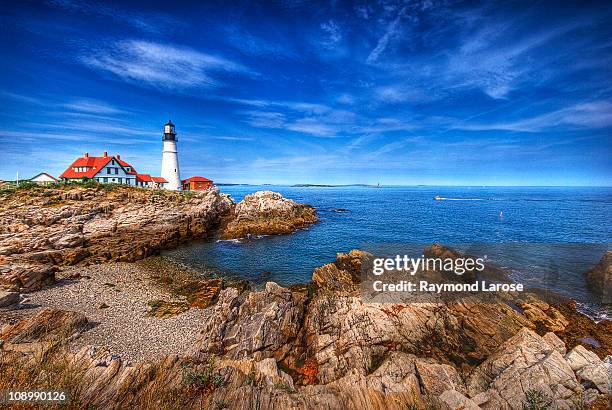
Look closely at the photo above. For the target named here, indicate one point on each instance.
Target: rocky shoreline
(314, 346)
(42, 229)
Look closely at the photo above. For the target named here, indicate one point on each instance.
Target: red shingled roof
(197, 179)
(125, 164)
(143, 178)
(159, 179)
(94, 165)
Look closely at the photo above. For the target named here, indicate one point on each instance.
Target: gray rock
(261, 324)
(599, 278)
(554, 341)
(455, 400)
(437, 378)
(268, 371)
(8, 299)
(524, 362)
(580, 357)
(590, 369)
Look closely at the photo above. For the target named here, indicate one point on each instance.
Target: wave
(229, 240)
(439, 198)
(242, 240)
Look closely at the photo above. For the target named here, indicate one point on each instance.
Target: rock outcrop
(43, 228)
(599, 278)
(344, 274)
(48, 325)
(524, 362)
(267, 213)
(324, 347)
(8, 299)
(260, 324)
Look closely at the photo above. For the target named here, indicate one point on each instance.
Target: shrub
(536, 400)
(208, 378)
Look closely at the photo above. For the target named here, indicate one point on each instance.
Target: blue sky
(396, 92)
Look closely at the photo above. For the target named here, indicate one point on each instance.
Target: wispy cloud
(93, 107)
(596, 114)
(163, 66)
(232, 138)
(333, 34)
(391, 31)
(147, 22)
(253, 45)
(265, 119)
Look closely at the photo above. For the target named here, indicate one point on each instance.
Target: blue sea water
(545, 236)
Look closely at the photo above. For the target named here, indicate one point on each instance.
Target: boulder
(46, 326)
(525, 362)
(599, 278)
(455, 400)
(344, 274)
(437, 378)
(343, 332)
(8, 299)
(267, 213)
(555, 342)
(590, 369)
(259, 325)
(268, 372)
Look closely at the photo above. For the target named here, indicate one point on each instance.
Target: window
(105, 179)
(116, 171)
(108, 170)
(120, 180)
(113, 162)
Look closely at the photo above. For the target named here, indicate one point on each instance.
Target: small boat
(437, 198)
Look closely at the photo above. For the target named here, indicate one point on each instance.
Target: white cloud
(345, 99)
(161, 65)
(146, 22)
(333, 34)
(595, 114)
(92, 107)
(312, 126)
(391, 31)
(265, 119)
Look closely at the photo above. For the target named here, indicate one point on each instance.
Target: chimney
(86, 155)
(105, 154)
(118, 156)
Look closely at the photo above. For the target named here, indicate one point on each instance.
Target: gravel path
(123, 326)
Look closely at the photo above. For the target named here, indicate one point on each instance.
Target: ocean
(544, 236)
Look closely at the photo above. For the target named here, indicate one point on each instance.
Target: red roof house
(109, 169)
(197, 183)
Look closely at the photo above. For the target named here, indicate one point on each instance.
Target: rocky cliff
(44, 228)
(324, 347)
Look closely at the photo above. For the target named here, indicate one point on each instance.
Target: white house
(43, 179)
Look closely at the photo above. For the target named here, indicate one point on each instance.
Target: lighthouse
(170, 164)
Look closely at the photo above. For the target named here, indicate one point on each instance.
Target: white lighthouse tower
(170, 164)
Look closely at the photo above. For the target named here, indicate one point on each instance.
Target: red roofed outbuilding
(197, 183)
